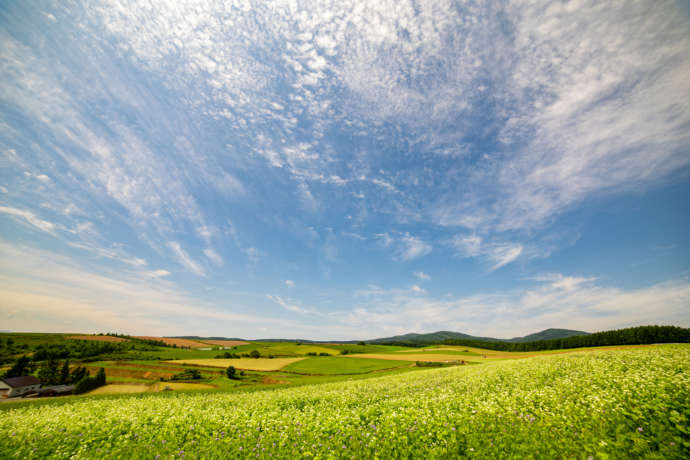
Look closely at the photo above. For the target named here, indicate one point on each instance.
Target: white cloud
(110, 253)
(467, 245)
(385, 239)
(29, 217)
(184, 259)
(158, 273)
(413, 248)
(498, 254)
(289, 306)
(289, 283)
(44, 291)
(502, 254)
(213, 256)
(422, 276)
(557, 302)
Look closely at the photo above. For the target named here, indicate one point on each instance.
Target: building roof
(57, 389)
(23, 381)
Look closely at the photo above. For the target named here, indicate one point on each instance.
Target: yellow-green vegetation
(601, 404)
(161, 386)
(119, 389)
(154, 387)
(341, 365)
(252, 364)
(282, 348)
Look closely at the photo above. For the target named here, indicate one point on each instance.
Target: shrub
(189, 374)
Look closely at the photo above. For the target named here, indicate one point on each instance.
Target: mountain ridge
(426, 338)
(440, 336)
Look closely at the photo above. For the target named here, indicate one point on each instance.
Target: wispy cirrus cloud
(407, 247)
(497, 253)
(422, 276)
(28, 217)
(185, 260)
(290, 306)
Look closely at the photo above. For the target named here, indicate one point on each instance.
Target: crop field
(338, 365)
(282, 348)
(143, 388)
(599, 404)
(113, 389)
(98, 338)
(252, 364)
(177, 342)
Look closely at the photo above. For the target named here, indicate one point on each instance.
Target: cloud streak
(29, 218)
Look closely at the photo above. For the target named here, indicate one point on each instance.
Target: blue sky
(343, 170)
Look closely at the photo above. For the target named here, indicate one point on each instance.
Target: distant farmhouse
(18, 386)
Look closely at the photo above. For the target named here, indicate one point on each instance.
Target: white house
(18, 386)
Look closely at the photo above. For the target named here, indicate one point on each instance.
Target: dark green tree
(231, 372)
(64, 373)
(49, 373)
(19, 368)
(78, 374)
(100, 377)
(255, 354)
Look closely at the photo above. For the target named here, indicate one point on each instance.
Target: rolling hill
(440, 336)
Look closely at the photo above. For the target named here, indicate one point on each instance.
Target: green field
(600, 404)
(341, 365)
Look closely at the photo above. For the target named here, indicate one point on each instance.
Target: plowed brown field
(98, 338)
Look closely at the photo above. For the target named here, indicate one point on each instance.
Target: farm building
(56, 390)
(18, 386)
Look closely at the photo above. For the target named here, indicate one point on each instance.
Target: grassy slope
(604, 404)
(341, 365)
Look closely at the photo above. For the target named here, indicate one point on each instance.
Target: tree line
(630, 336)
(51, 372)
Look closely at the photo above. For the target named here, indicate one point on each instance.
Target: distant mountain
(430, 338)
(548, 334)
(440, 336)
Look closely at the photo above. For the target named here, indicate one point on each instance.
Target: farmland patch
(341, 365)
(99, 338)
(252, 364)
(185, 343)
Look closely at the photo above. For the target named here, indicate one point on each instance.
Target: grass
(256, 364)
(354, 348)
(341, 365)
(291, 349)
(430, 357)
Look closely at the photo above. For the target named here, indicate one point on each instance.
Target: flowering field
(601, 404)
